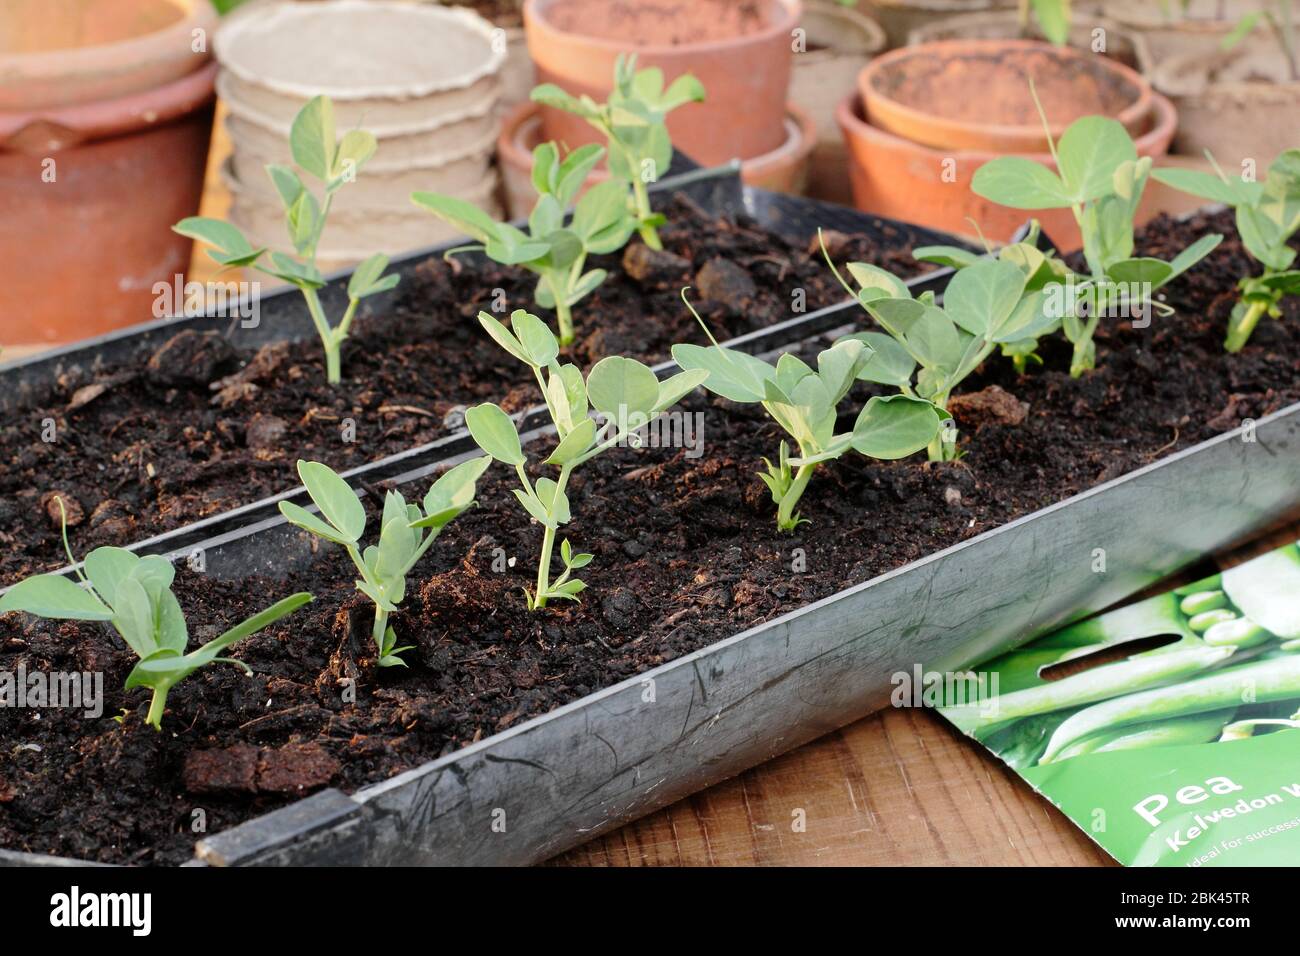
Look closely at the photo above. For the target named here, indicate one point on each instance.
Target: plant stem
(785, 519)
(333, 371)
(649, 235)
(156, 707)
(381, 626)
(562, 313)
(548, 544)
(1240, 329)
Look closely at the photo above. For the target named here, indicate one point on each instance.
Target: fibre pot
(1242, 105)
(784, 169)
(1120, 43)
(91, 187)
(1183, 27)
(740, 52)
(893, 176)
(837, 43)
(974, 94)
(900, 17)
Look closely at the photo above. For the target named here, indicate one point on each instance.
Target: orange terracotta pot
(88, 194)
(897, 178)
(785, 169)
(974, 94)
(745, 70)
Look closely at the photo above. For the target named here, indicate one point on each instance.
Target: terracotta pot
(1240, 105)
(64, 52)
(782, 170)
(900, 17)
(1197, 30)
(837, 44)
(90, 191)
(974, 94)
(1118, 42)
(900, 179)
(746, 75)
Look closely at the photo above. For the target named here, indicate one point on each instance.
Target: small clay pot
(743, 64)
(900, 179)
(975, 94)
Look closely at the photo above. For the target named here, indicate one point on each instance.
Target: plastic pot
(900, 17)
(1241, 105)
(974, 94)
(896, 177)
(746, 75)
(782, 170)
(838, 43)
(1121, 43)
(91, 186)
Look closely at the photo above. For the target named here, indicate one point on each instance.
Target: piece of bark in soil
(654, 266)
(264, 433)
(190, 358)
(295, 768)
(230, 769)
(71, 507)
(722, 281)
(243, 768)
(992, 405)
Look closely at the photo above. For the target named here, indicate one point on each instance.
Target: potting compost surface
(686, 553)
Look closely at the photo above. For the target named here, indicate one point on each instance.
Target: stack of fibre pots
(425, 79)
(741, 52)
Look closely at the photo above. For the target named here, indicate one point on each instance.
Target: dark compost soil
(200, 428)
(686, 554)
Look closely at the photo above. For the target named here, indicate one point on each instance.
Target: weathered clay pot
(900, 179)
(974, 94)
(1116, 41)
(744, 65)
(900, 17)
(784, 169)
(837, 43)
(91, 187)
(1241, 105)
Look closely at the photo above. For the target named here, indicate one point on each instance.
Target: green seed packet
(1184, 755)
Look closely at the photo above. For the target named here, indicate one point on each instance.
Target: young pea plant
(624, 392)
(633, 123)
(1268, 215)
(402, 537)
(804, 403)
(556, 253)
(335, 162)
(1100, 180)
(134, 595)
(927, 351)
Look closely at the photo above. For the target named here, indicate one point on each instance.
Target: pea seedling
(1268, 215)
(624, 391)
(1100, 180)
(803, 402)
(633, 123)
(927, 351)
(315, 149)
(402, 537)
(557, 254)
(134, 594)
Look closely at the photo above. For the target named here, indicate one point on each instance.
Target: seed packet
(1187, 754)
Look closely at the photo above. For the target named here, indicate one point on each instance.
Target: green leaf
(355, 149)
(537, 340)
(495, 433)
(368, 278)
(894, 427)
(302, 275)
(1090, 150)
(133, 617)
(453, 490)
(586, 285)
(876, 283)
(575, 444)
(304, 221)
(1198, 183)
(1193, 254)
(209, 651)
(459, 214)
(1138, 271)
(286, 182)
(981, 297)
(839, 365)
(172, 632)
(234, 249)
(548, 94)
(954, 256)
(732, 374)
(304, 519)
(553, 499)
(504, 338)
(673, 389)
(573, 172)
(107, 568)
(311, 137)
(49, 595)
(888, 364)
(337, 502)
(534, 508)
(1021, 184)
(620, 386)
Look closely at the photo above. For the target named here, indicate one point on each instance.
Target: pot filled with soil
(924, 93)
(741, 52)
(105, 117)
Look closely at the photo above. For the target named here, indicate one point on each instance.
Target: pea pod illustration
(1182, 731)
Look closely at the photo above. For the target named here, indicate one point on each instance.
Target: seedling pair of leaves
(135, 596)
(556, 253)
(1268, 215)
(633, 124)
(1100, 178)
(804, 402)
(335, 162)
(623, 391)
(926, 350)
(406, 533)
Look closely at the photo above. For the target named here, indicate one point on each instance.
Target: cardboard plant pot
(742, 54)
(1188, 27)
(894, 176)
(103, 143)
(975, 94)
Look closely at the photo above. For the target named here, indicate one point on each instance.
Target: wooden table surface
(898, 788)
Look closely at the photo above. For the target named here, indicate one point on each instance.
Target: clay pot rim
(266, 17)
(872, 32)
(536, 22)
(1131, 114)
(848, 114)
(1134, 19)
(1164, 76)
(101, 119)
